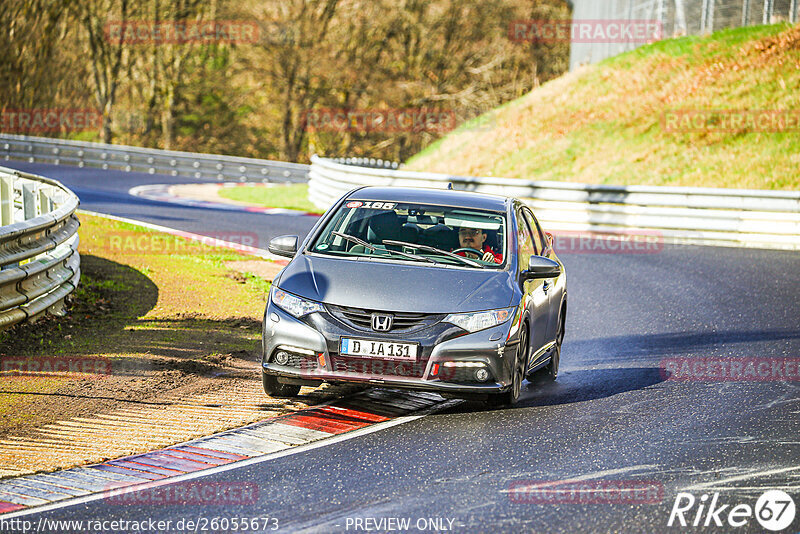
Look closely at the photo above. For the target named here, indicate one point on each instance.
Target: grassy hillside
(606, 123)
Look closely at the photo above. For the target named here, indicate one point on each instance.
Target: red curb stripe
(334, 419)
(355, 414)
(6, 507)
(385, 411)
(330, 423)
(323, 425)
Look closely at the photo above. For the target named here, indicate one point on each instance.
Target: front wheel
(510, 397)
(273, 388)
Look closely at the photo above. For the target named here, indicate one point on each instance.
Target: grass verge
(606, 123)
(290, 196)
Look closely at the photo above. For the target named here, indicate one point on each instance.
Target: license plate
(378, 349)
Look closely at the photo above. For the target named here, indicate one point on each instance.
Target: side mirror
(285, 245)
(539, 267)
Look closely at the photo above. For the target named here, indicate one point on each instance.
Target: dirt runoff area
(161, 345)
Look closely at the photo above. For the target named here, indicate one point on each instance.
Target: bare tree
(33, 62)
(105, 54)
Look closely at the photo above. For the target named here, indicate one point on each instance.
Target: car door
(536, 299)
(551, 288)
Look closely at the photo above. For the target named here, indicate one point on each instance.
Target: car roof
(442, 197)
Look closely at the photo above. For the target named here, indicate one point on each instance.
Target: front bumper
(318, 335)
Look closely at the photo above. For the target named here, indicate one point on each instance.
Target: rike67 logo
(774, 511)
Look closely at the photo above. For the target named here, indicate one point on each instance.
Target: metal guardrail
(371, 163)
(683, 215)
(39, 261)
(149, 160)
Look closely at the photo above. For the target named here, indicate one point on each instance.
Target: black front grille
(366, 366)
(361, 319)
(464, 375)
(300, 361)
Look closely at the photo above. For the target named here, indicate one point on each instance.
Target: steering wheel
(477, 252)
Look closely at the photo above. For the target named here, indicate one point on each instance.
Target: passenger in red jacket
(476, 238)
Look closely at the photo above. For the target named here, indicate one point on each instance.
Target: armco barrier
(754, 218)
(148, 160)
(39, 261)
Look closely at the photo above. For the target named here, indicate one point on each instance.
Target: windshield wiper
(356, 240)
(437, 251)
(373, 248)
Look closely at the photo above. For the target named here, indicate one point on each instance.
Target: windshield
(423, 233)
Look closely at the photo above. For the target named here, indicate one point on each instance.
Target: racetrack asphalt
(613, 420)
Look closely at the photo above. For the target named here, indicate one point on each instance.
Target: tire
(550, 373)
(273, 388)
(510, 397)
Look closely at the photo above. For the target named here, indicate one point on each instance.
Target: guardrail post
(45, 202)
(6, 200)
(30, 208)
(18, 207)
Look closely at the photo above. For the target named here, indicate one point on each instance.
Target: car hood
(396, 287)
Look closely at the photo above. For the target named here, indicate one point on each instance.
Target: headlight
(473, 322)
(294, 305)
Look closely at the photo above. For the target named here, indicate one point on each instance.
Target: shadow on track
(576, 386)
(673, 343)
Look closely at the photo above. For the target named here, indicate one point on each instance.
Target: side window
(524, 242)
(538, 237)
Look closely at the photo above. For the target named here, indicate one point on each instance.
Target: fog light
(482, 375)
(282, 358)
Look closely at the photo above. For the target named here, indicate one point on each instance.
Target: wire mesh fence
(675, 17)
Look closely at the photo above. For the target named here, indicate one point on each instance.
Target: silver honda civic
(438, 290)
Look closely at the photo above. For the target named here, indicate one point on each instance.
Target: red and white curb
(369, 410)
(160, 193)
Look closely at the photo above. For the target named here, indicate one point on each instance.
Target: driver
(475, 238)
